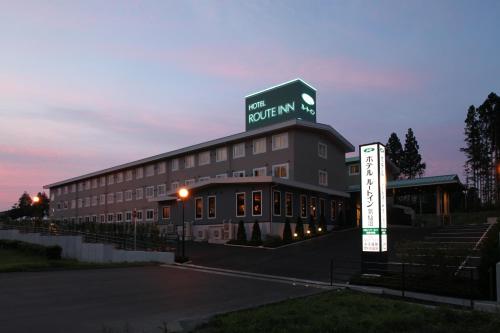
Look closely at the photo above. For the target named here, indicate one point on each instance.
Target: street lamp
(36, 199)
(183, 194)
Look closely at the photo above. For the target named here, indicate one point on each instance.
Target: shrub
(50, 252)
(299, 228)
(241, 237)
(256, 234)
(287, 232)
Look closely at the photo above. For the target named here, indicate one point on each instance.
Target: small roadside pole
(134, 216)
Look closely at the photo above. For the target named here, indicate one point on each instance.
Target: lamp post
(183, 194)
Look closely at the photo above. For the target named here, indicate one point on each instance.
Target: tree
(411, 161)
(394, 150)
(256, 234)
(287, 232)
(41, 208)
(299, 228)
(242, 234)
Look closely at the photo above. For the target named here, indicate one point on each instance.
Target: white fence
(73, 247)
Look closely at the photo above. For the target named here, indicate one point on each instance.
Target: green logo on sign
(367, 150)
(308, 99)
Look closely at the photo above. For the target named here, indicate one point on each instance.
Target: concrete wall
(74, 248)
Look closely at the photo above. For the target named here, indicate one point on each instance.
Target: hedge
(50, 252)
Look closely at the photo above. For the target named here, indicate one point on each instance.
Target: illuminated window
(323, 178)
(259, 146)
(240, 204)
(239, 150)
(166, 212)
(303, 206)
(280, 141)
(313, 208)
(354, 170)
(288, 204)
(276, 203)
(322, 150)
(280, 170)
(204, 158)
(198, 208)
(221, 154)
(257, 203)
(212, 209)
(189, 162)
(258, 172)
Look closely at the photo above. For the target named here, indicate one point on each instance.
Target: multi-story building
(284, 166)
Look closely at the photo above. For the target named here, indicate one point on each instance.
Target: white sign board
(373, 197)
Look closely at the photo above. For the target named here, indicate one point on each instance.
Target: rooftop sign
(290, 100)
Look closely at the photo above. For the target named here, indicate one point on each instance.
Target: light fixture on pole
(183, 194)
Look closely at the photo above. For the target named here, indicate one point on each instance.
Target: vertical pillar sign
(373, 197)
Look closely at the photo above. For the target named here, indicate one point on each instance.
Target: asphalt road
(140, 298)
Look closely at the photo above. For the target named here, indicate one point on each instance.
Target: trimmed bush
(50, 252)
(287, 232)
(256, 234)
(299, 228)
(241, 237)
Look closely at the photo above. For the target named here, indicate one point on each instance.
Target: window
(313, 208)
(198, 208)
(87, 185)
(322, 150)
(102, 199)
(333, 210)
(212, 209)
(102, 182)
(119, 196)
(94, 200)
(119, 177)
(276, 203)
(102, 218)
(288, 204)
(150, 170)
(174, 186)
(322, 207)
(149, 214)
(280, 141)
(111, 179)
(52, 196)
(258, 172)
(323, 177)
(73, 188)
(240, 173)
(221, 176)
(257, 203)
(59, 191)
(128, 195)
(189, 161)
(111, 198)
(161, 190)
(119, 217)
(239, 150)
(280, 170)
(204, 158)
(203, 179)
(166, 212)
(175, 164)
(139, 173)
(128, 175)
(73, 204)
(150, 192)
(189, 182)
(94, 218)
(111, 217)
(80, 203)
(87, 202)
(303, 206)
(80, 188)
(139, 193)
(354, 170)
(240, 204)
(128, 216)
(65, 190)
(138, 215)
(87, 218)
(259, 146)
(65, 204)
(221, 154)
(162, 168)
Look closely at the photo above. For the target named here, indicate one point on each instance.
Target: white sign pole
(373, 198)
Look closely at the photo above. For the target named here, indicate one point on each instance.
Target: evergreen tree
(242, 234)
(394, 150)
(411, 162)
(287, 232)
(299, 228)
(256, 234)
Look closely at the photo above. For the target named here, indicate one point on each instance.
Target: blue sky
(87, 85)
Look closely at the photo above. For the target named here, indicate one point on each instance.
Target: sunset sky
(87, 85)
